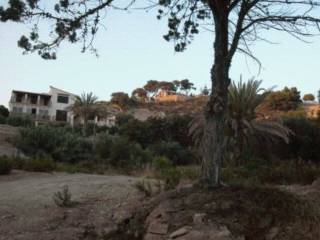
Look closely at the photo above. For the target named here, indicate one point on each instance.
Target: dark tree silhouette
(186, 85)
(235, 24)
(4, 112)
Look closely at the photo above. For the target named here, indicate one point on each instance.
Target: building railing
(28, 102)
(35, 117)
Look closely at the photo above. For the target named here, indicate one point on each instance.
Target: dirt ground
(27, 210)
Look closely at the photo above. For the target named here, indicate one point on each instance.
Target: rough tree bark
(215, 110)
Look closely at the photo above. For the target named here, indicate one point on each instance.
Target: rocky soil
(27, 211)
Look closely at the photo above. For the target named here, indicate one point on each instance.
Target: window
(61, 115)
(63, 99)
(34, 111)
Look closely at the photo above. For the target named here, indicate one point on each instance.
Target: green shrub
(63, 198)
(39, 164)
(189, 172)
(304, 142)
(104, 146)
(289, 172)
(177, 154)
(58, 142)
(127, 155)
(165, 171)
(3, 120)
(4, 112)
(19, 121)
(144, 186)
(5, 165)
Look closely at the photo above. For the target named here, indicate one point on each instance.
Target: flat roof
(25, 92)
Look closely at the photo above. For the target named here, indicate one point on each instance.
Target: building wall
(55, 105)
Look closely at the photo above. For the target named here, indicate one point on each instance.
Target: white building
(43, 107)
(54, 106)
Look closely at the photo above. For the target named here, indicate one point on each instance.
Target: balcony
(34, 117)
(32, 99)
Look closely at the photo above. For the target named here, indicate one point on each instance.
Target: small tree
(121, 99)
(205, 91)
(85, 107)
(186, 85)
(308, 97)
(151, 87)
(139, 94)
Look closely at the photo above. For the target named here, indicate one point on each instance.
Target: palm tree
(85, 106)
(242, 122)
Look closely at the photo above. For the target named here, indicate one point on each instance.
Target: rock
(209, 232)
(180, 232)
(199, 218)
(151, 236)
(272, 233)
(158, 228)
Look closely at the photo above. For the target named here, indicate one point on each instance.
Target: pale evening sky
(133, 51)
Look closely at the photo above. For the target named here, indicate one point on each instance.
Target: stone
(180, 232)
(272, 233)
(151, 236)
(199, 218)
(158, 228)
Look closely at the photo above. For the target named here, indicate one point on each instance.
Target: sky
(132, 51)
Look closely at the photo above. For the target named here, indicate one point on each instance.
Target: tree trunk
(216, 108)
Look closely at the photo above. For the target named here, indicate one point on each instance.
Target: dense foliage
(284, 100)
(5, 165)
(59, 142)
(4, 112)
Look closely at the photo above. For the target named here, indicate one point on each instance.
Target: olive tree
(235, 24)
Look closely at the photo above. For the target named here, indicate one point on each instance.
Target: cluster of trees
(147, 92)
(284, 100)
(153, 86)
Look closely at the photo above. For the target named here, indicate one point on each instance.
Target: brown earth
(27, 211)
(230, 213)
(109, 207)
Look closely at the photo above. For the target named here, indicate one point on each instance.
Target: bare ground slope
(27, 210)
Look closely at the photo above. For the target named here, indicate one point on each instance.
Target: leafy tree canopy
(284, 100)
(308, 97)
(4, 112)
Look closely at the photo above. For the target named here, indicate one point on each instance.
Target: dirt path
(27, 210)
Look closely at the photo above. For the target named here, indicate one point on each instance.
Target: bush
(165, 171)
(3, 120)
(39, 164)
(5, 165)
(18, 121)
(174, 152)
(128, 155)
(304, 143)
(58, 142)
(4, 112)
(104, 146)
(284, 100)
(289, 172)
(63, 198)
